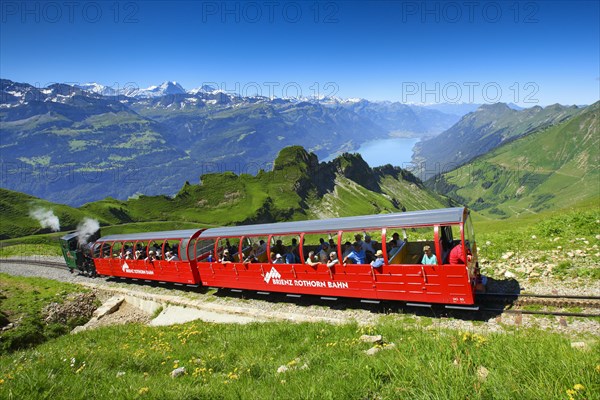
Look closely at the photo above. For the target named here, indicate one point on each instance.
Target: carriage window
(362, 244)
(255, 249)
(128, 251)
(421, 246)
(321, 244)
(287, 246)
(156, 247)
(140, 251)
(469, 234)
(174, 246)
(116, 250)
(185, 249)
(143, 248)
(204, 248)
(449, 237)
(231, 245)
(106, 250)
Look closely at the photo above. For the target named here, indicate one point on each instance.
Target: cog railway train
(292, 257)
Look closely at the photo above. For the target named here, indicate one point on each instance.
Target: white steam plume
(86, 228)
(46, 218)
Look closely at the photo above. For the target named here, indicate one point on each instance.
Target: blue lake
(395, 151)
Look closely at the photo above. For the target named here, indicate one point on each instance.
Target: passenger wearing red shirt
(456, 255)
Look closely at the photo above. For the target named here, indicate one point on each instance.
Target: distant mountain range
(76, 144)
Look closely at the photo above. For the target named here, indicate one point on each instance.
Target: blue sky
(530, 52)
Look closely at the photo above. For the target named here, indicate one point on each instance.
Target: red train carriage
(143, 256)
(245, 257)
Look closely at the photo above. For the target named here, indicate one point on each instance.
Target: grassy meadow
(22, 301)
(321, 361)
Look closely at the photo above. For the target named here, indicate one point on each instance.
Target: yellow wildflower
(143, 391)
(578, 387)
(570, 392)
(1, 381)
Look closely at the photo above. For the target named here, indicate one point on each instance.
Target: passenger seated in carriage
(333, 259)
(321, 242)
(457, 255)
(428, 257)
(312, 260)
(290, 258)
(151, 256)
(379, 261)
(356, 256)
(295, 250)
(395, 245)
(279, 248)
(211, 257)
(358, 239)
(323, 254)
(227, 258)
(332, 244)
(347, 249)
(252, 257)
(369, 247)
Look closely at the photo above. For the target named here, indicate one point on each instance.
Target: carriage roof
(365, 222)
(175, 234)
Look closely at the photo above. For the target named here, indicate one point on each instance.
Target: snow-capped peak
(98, 88)
(203, 89)
(163, 89)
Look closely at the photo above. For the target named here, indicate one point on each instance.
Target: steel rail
(533, 295)
(555, 313)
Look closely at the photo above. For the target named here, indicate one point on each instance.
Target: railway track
(550, 300)
(49, 264)
(514, 301)
(539, 312)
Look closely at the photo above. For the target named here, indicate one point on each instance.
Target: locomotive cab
(76, 254)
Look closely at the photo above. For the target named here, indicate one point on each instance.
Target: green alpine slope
(549, 169)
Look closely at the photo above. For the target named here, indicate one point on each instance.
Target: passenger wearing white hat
(171, 256)
(379, 261)
(333, 259)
